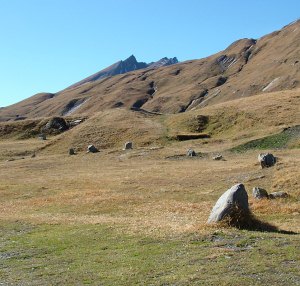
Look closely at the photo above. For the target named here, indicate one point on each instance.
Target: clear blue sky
(46, 45)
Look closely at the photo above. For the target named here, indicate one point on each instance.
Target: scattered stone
(75, 122)
(128, 145)
(232, 204)
(218, 157)
(33, 155)
(191, 153)
(266, 160)
(259, 193)
(71, 151)
(42, 136)
(58, 123)
(92, 149)
(278, 195)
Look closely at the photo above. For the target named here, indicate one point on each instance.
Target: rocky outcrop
(57, 123)
(163, 62)
(128, 65)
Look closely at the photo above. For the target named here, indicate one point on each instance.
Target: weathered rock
(259, 193)
(218, 157)
(33, 155)
(128, 145)
(71, 151)
(266, 160)
(58, 123)
(92, 149)
(191, 153)
(278, 195)
(232, 203)
(42, 136)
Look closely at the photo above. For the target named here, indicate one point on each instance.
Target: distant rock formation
(128, 65)
(163, 62)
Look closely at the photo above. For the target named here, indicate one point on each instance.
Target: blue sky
(47, 45)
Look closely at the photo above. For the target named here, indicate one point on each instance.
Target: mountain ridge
(246, 67)
(124, 66)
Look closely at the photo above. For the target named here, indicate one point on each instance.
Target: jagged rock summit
(128, 65)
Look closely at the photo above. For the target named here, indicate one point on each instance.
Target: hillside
(227, 124)
(247, 67)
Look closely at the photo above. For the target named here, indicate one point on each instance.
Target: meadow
(138, 217)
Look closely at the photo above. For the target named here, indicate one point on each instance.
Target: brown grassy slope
(243, 118)
(235, 122)
(112, 128)
(245, 68)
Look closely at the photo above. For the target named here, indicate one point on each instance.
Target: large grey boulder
(232, 203)
(191, 153)
(259, 193)
(266, 160)
(92, 149)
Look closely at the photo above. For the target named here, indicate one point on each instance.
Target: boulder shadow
(247, 221)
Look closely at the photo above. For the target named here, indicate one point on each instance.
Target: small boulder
(278, 195)
(218, 157)
(266, 160)
(71, 151)
(128, 145)
(259, 193)
(191, 153)
(92, 149)
(232, 204)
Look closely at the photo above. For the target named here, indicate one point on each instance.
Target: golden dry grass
(141, 190)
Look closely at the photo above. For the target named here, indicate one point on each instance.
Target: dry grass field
(138, 217)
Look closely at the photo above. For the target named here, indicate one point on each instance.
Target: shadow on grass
(247, 221)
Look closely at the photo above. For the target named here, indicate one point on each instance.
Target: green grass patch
(285, 139)
(107, 255)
